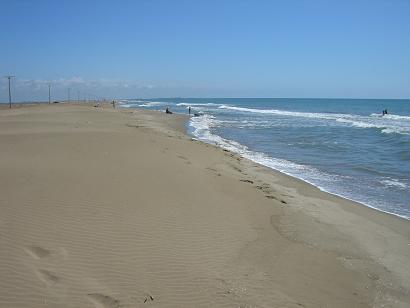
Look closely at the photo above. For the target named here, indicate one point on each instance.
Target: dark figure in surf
(168, 111)
(189, 110)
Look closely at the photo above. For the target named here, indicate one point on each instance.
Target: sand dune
(101, 208)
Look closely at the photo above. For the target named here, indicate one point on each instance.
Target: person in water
(168, 111)
(189, 110)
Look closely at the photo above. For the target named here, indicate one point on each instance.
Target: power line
(49, 93)
(9, 77)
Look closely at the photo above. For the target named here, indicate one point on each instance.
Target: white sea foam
(396, 131)
(390, 116)
(128, 103)
(313, 115)
(139, 103)
(152, 104)
(356, 123)
(393, 183)
(386, 126)
(135, 101)
(203, 125)
(388, 123)
(199, 104)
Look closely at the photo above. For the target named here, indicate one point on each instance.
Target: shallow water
(342, 146)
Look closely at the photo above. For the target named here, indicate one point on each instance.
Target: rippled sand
(101, 208)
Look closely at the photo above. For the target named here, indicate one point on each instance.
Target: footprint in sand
(289, 196)
(246, 181)
(134, 125)
(103, 301)
(184, 158)
(37, 252)
(49, 278)
(273, 197)
(148, 298)
(213, 170)
(265, 188)
(237, 169)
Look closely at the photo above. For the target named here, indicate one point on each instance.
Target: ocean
(343, 146)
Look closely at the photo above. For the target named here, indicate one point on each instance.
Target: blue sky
(292, 48)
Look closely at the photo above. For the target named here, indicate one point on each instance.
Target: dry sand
(107, 208)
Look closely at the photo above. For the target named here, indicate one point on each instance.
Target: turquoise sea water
(343, 146)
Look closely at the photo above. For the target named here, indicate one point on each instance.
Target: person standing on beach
(189, 110)
(113, 104)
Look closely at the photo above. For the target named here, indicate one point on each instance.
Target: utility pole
(9, 77)
(49, 93)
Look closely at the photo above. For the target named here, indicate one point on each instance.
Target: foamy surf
(201, 129)
(388, 123)
(198, 104)
(341, 146)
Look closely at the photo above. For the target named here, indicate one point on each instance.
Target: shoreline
(368, 212)
(281, 172)
(110, 208)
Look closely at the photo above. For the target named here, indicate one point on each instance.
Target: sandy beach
(120, 208)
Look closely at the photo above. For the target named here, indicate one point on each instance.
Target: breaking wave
(388, 124)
